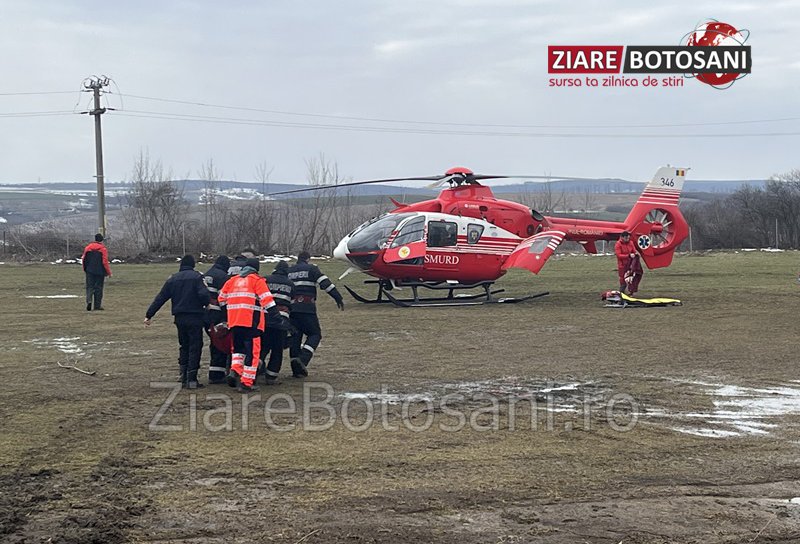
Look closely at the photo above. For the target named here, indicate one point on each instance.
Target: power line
(35, 113)
(36, 93)
(437, 123)
(406, 130)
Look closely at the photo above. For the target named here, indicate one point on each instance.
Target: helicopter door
(408, 246)
(533, 252)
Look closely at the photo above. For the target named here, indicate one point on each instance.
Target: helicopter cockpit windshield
(372, 236)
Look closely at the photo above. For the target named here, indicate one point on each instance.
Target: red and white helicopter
(466, 238)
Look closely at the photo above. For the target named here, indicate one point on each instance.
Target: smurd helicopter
(467, 239)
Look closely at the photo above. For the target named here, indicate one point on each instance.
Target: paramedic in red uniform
(624, 249)
(246, 297)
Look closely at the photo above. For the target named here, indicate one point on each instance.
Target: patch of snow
(707, 433)
(51, 296)
(772, 250)
(117, 261)
(274, 258)
(794, 500)
(567, 387)
(388, 398)
(3, 220)
(64, 345)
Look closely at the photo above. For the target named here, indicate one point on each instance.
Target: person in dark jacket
(306, 278)
(96, 267)
(189, 297)
(215, 278)
(633, 274)
(240, 261)
(273, 341)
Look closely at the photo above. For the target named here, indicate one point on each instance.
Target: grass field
(580, 423)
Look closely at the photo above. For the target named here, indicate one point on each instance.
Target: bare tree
(542, 198)
(210, 202)
(156, 208)
(315, 211)
(265, 209)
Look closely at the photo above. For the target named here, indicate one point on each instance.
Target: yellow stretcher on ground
(615, 299)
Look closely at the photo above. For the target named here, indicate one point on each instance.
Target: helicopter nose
(341, 250)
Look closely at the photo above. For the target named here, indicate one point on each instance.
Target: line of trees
(766, 216)
(160, 219)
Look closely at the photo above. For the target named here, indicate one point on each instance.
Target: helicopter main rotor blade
(439, 181)
(353, 183)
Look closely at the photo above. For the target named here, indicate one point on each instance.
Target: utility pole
(95, 85)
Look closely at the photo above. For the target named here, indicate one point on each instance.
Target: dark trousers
(272, 343)
(220, 360)
(190, 339)
(307, 325)
(94, 289)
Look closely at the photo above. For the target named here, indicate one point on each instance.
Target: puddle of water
(558, 397)
(738, 411)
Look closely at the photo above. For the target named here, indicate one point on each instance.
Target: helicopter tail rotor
(655, 222)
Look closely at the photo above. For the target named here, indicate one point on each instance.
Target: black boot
(298, 367)
(184, 383)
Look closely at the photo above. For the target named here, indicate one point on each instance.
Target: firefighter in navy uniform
(240, 261)
(189, 296)
(306, 278)
(215, 278)
(273, 341)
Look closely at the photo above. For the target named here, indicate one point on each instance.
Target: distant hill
(196, 186)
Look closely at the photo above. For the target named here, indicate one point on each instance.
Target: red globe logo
(713, 33)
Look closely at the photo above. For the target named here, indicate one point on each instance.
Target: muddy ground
(555, 420)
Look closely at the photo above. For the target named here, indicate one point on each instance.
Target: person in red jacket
(245, 299)
(624, 249)
(96, 267)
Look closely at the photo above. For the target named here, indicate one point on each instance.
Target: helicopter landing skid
(433, 303)
(381, 300)
(452, 299)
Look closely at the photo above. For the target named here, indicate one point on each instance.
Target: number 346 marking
(668, 182)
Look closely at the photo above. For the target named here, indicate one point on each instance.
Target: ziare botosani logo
(714, 53)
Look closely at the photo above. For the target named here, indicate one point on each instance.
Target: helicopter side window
(372, 235)
(474, 233)
(538, 246)
(442, 234)
(413, 231)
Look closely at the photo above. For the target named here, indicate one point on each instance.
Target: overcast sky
(482, 62)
